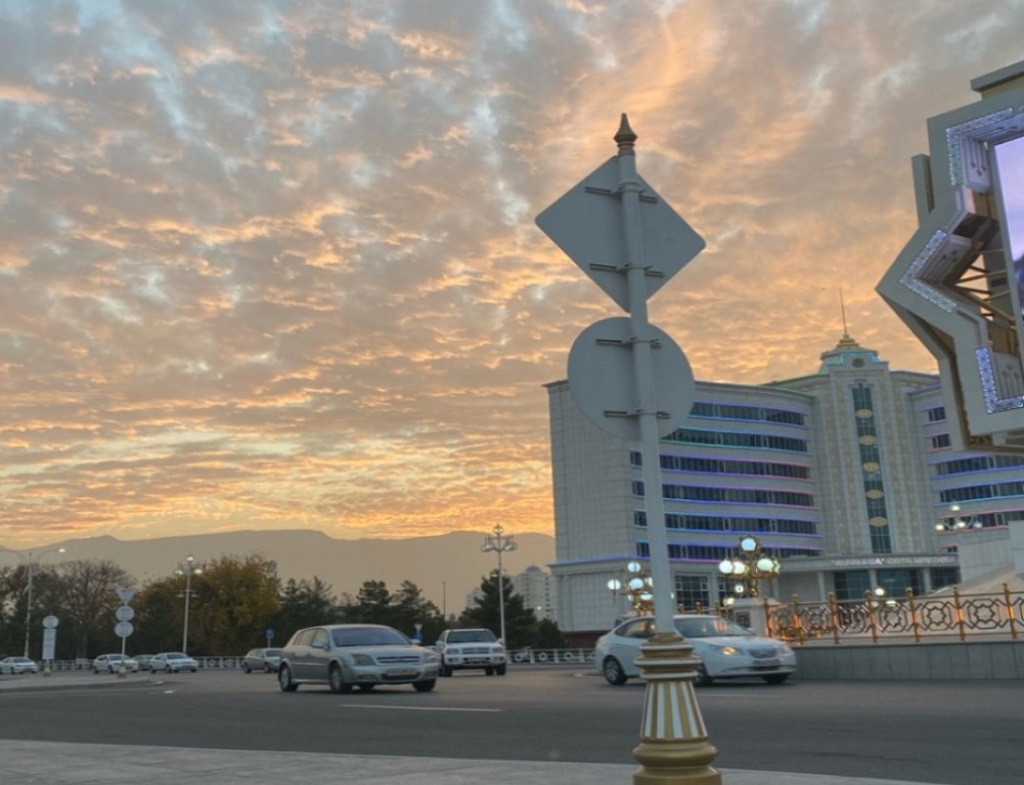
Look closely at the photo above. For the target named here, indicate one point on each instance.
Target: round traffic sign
(124, 613)
(50, 622)
(602, 378)
(123, 629)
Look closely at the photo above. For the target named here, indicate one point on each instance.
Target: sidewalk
(47, 763)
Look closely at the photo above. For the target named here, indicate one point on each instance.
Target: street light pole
(500, 542)
(187, 569)
(31, 559)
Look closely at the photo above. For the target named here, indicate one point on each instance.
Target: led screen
(1009, 157)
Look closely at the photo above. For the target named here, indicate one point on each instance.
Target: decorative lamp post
(957, 522)
(638, 585)
(31, 559)
(500, 542)
(750, 567)
(187, 569)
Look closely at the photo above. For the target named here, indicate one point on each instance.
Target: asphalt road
(960, 733)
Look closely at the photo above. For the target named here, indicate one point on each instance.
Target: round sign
(123, 629)
(124, 613)
(50, 622)
(602, 378)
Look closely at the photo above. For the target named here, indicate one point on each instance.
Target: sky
(273, 264)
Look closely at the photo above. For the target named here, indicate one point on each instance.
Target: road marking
(412, 708)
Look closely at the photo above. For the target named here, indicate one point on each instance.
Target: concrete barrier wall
(912, 662)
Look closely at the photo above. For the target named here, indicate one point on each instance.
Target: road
(955, 733)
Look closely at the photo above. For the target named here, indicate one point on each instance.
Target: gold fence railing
(929, 617)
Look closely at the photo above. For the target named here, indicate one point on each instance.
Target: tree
(519, 620)
(235, 602)
(83, 595)
(302, 604)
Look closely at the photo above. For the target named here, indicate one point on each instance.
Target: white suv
(471, 648)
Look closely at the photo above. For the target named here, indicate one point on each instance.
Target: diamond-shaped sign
(587, 224)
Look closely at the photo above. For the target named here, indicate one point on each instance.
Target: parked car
(471, 648)
(344, 656)
(265, 660)
(143, 660)
(172, 662)
(112, 663)
(11, 665)
(726, 650)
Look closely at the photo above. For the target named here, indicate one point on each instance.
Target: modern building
(844, 475)
(534, 585)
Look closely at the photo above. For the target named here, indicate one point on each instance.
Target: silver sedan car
(112, 663)
(265, 660)
(726, 650)
(344, 656)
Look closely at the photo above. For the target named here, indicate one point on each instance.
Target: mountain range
(446, 567)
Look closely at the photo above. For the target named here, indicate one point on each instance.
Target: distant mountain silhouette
(446, 567)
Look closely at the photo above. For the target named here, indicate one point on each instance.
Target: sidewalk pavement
(50, 763)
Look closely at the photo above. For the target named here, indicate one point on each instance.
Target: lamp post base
(674, 747)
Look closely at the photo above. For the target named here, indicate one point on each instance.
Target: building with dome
(845, 475)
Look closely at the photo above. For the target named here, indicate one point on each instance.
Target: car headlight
(362, 659)
(430, 656)
(785, 648)
(728, 651)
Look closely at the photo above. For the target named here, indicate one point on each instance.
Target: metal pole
(188, 595)
(28, 604)
(501, 598)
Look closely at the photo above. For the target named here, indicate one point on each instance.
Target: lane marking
(414, 708)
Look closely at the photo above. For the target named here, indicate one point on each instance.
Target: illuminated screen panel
(1009, 158)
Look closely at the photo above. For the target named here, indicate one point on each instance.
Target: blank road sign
(587, 224)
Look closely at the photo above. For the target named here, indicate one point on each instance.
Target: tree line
(233, 603)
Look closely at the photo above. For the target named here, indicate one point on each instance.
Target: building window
(938, 414)
(852, 584)
(692, 593)
(940, 441)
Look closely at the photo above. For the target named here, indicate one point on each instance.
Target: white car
(173, 662)
(12, 665)
(112, 663)
(471, 648)
(726, 650)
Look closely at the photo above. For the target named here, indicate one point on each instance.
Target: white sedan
(112, 663)
(173, 662)
(11, 665)
(726, 650)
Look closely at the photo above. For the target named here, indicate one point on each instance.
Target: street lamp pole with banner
(631, 379)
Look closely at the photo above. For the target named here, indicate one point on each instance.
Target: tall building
(535, 586)
(843, 474)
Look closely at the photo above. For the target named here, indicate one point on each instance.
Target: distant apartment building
(534, 586)
(843, 474)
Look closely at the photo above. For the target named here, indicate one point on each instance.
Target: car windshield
(471, 636)
(368, 636)
(711, 627)
(272, 653)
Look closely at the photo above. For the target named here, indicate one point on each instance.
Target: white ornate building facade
(843, 474)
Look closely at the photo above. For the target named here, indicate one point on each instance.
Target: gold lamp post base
(674, 747)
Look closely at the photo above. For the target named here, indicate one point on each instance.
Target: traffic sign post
(50, 623)
(624, 236)
(123, 629)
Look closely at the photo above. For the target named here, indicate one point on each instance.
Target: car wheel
(169, 670)
(267, 668)
(489, 671)
(96, 671)
(703, 680)
(424, 686)
(500, 670)
(776, 678)
(613, 672)
(246, 668)
(445, 670)
(284, 679)
(336, 681)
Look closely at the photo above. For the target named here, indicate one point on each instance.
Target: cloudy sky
(272, 263)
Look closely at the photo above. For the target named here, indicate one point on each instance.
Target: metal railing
(939, 616)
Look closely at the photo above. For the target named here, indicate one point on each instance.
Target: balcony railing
(940, 616)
